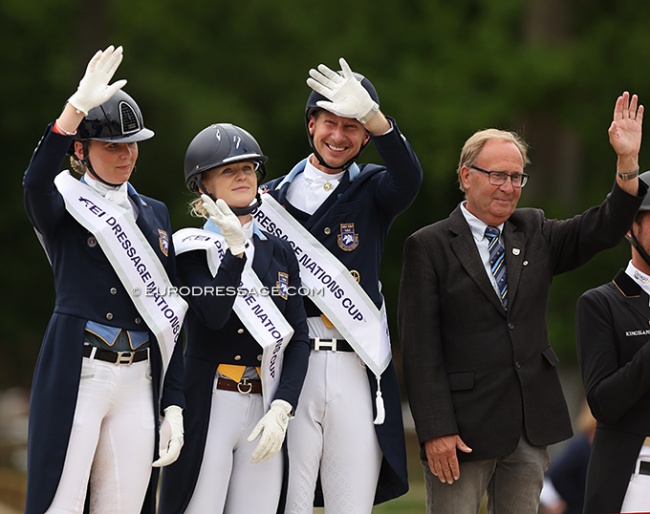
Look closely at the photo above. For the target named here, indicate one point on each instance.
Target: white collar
(639, 277)
(476, 225)
(317, 177)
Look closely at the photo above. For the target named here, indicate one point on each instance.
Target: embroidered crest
(163, 239)
(348, 239)
(283, 284)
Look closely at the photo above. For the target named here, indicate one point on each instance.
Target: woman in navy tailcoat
(95, 395)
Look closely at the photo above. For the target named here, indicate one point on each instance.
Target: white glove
(273, 427)
(229, 224)
(171, 437)
(348, 97)
(93, 88)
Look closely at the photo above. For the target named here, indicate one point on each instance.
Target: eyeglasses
(498, 178)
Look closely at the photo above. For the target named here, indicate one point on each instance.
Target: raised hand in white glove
(223, 217)
(171, 437)
(348, 98)
(93, 88)
(273, 427)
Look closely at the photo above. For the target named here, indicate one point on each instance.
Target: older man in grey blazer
(480, 372)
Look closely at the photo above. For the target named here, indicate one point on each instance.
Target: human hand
(348, 98)
(273, 427)
(442, 458)
(223, 217)
(93, 88)
(171, 437)
(625, 130)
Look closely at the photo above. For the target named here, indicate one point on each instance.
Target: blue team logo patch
(348, 239)
(163, 240)
(283, 284)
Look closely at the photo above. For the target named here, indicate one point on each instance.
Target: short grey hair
(476, 142)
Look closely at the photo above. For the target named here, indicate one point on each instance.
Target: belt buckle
(324, 344)
(125, 357)
(244, 383)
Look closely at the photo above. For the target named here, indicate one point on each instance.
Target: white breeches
(333, 432)
(637, 497)
(112, 441)
(228, 482)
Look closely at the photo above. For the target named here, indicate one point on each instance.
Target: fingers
(94, 60)
(330, 74)
(209, 205)
(261, 452)
(266, 449)
(170, 454)
(256, 432)
(627, 107)
(113, 60)
(115, 87)
(345, 67)
(318, 87)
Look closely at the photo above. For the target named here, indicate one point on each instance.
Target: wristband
(628, 176)
(57, 128)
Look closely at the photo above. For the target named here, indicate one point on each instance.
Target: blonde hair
(196, 209)
(476, 142)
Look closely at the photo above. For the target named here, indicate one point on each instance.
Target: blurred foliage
(548, 69)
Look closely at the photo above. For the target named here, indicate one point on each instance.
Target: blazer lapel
(464, 248)
(515, 243)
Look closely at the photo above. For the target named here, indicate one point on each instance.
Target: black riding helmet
(118, 119)
(645, 206)
(217, 145)
(312, 106)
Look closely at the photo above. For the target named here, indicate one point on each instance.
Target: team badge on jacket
(283, 284)
(348, 239)
(163, 240)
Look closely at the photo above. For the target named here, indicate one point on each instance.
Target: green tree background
(549, 69)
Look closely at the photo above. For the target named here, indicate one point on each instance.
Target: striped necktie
(497, 262)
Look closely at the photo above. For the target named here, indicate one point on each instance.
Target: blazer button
(113, 290)
(138, 321)
(511, 325)
(517, 364)
(237, 357)
(259, 358)
(240, 331)
(327, 230)
(109, 316)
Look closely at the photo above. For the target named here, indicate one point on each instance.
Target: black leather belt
(332, 345)
(644, 468)
(245, 386)
(116, 357)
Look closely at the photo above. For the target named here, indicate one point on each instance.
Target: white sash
(257, 311)
(132, 258)
(345, 303)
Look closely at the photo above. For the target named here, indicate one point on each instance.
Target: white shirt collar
(639, 277)
(476, 225)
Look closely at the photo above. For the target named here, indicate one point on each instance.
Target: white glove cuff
(370, 114)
